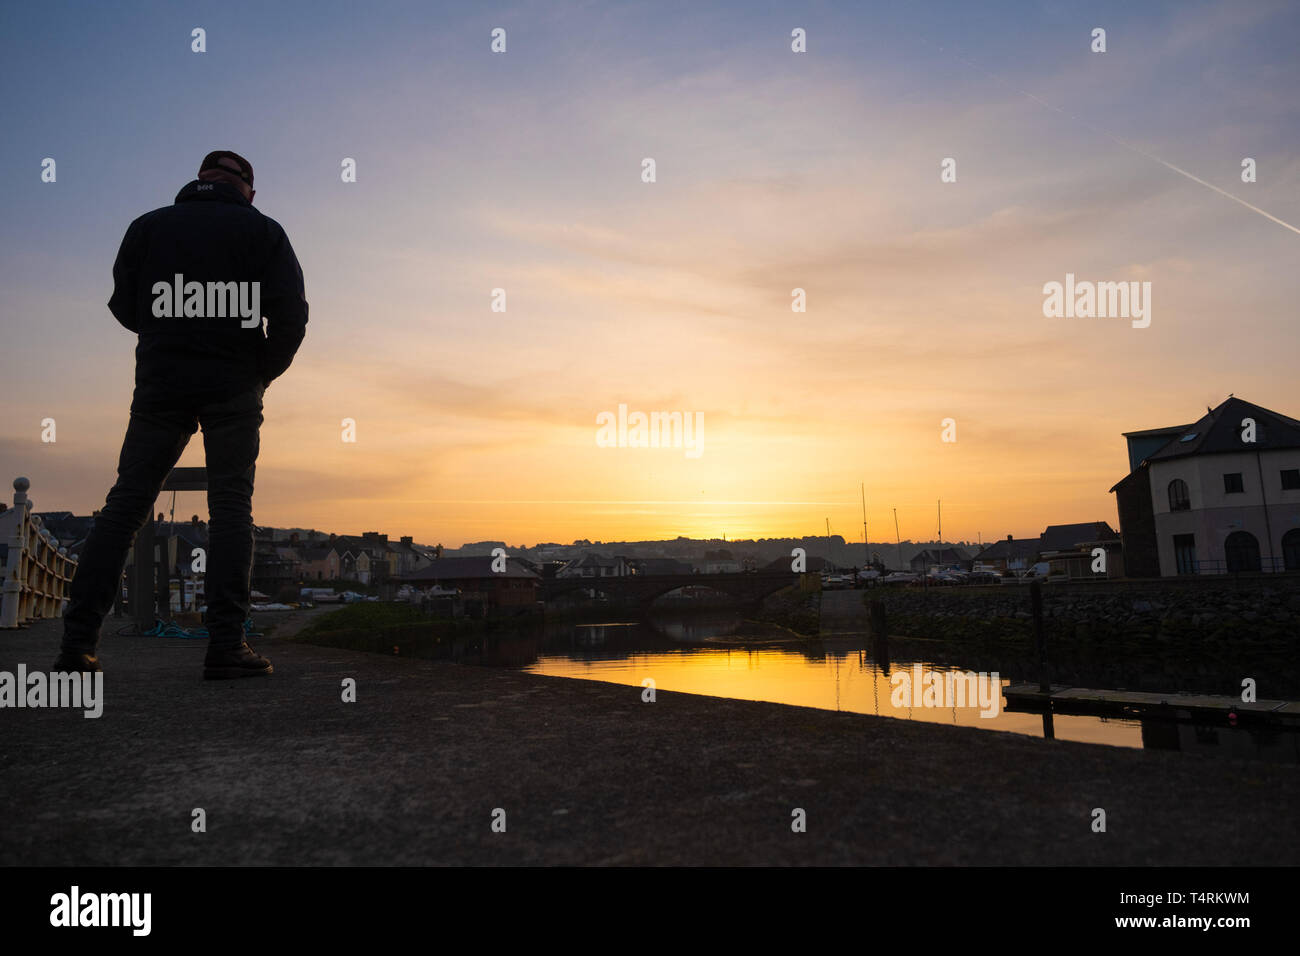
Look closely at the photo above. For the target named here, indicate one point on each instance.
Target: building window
(1242, 552)
(1179, 500)
(1291, 550)
(1291, 479)
(1232, 484)
(1185, 553)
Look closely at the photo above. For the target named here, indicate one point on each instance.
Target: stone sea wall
(1263, 611)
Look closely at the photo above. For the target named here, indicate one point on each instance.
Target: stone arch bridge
(641, 589)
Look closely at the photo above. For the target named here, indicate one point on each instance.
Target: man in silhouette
(194, 280)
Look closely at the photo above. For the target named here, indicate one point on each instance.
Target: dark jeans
(158, 432)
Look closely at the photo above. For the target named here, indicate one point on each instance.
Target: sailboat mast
(866, 546)
(898, 540)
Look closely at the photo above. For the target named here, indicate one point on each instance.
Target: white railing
(37, 571)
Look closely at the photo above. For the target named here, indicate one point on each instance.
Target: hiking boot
(239, 660)
(74, 662)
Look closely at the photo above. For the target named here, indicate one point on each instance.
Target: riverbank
(403, 630)
(587, 773)
(799, 612)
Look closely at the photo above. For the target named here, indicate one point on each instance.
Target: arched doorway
(1242, 552)
(1291, 550)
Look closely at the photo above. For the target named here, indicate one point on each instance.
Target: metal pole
(164, 577)
(1263, 498)
(142, 579)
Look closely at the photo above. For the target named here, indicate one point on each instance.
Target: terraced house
(1221, 495)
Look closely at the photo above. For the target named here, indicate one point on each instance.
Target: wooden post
(880, 635)
(1040, 640)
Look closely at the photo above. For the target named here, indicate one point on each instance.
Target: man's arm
(126, 275)
(284, 304)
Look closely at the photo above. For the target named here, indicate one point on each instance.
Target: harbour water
(722, 655)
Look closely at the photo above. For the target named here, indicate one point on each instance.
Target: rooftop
(1066, 537)
(1219, 431)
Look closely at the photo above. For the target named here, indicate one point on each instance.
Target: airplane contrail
(1221, 192)
(1127, 145)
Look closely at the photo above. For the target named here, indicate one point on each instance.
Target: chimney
(1008, 537)
(408, 540)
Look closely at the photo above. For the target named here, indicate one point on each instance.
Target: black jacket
(211, 234)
